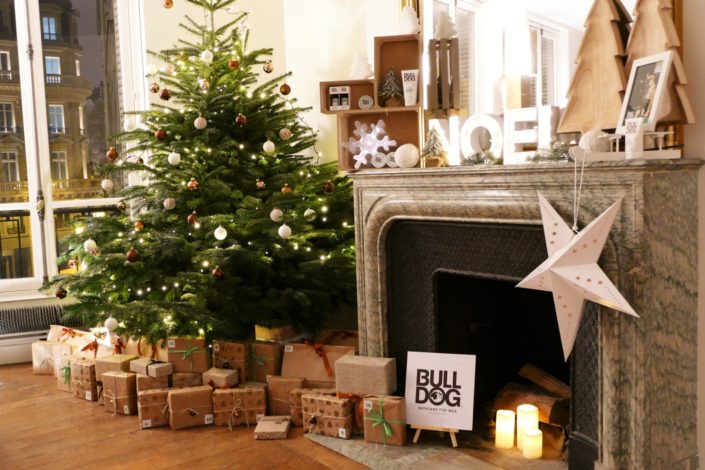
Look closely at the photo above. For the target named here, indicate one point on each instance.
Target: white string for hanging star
(577, 191)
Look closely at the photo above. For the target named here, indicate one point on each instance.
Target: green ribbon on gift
(378, 419)
(258, 360)
(187, 354)
(66, 374)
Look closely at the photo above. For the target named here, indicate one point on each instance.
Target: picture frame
(645, 90)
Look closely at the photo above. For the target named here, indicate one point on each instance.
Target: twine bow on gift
(378, 419)
(318, 348)
(235, 413)
(92, 346)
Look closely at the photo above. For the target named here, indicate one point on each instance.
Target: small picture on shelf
(339, 98)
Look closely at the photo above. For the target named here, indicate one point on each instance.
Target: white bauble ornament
(276, 215)
(200, 123)
(220, 233)
(107, 185)
(130, 123)
(151, 69)
(169, 203)
(284, 231)
(90, 246)
(111, 323)
(268, 147)
(174, 158)
(407, 156)
(285, 134)
(207, 56)
(167, 69)
(309, 214)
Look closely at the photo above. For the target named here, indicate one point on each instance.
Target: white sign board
(440, 390)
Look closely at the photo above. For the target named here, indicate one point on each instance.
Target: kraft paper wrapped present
(326, 415)
(232, 355)
(186, 379)
(265, 359)
(295, 399)
(188, 354)
(360, 375)
(220, 378)
(339, 338)
(152, 408)
(43, 357)
(190, 407)
(117, 362)
(279, 394)
(63, 379)
(273, 427)
(142, 348)
(82, 343)
(83, 383)
(120, 393)
(239, 406)
(262, 385)
(145, 382)
(316, 362)
(385, 420)
(151, 367)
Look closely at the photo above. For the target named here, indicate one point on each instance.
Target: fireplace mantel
(648, 374)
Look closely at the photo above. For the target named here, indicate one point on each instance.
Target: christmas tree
(435, 145)
(235, 225)
(391, 91)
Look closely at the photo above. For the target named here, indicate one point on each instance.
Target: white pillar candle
(533, 444)
(527, 418)
(504, 432)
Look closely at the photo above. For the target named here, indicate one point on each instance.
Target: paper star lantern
(571, 272)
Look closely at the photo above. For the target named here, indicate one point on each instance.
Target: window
(56, 119)
(5, 66)
(59, 166)
(52, 65)
(540, 86)
(7, 117)
(78, 68)
(9, 169)
(49, 28)
(81, 125)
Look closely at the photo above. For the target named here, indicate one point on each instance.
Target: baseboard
(17, 348)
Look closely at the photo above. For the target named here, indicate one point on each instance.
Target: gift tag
(126, 409)
(170, 343)
(146, 423)
(260, 416)
(216, 347)
(208, 419)
(288, 348)
(89, 396)
(342, 433)
(379, 160)
(368, 405)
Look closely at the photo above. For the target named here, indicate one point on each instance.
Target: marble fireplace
(633, 380)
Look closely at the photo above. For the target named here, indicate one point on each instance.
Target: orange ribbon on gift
(92, 346)
(331, 335)
(119, 346)
(71, 333)
(358, 410)
(318, 348)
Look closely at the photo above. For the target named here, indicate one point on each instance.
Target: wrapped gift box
(339, 338)
(186, 379)
(43, 357)
(360, 375)
(272, 427)
(315, 362)
(326, 415)
(145, 382)
(239, 406)
(120, 392)
(63, 379)
(385, 420)
(152, 408)
(83, 383)
(142, 348)
(295, 399)
(82, 343)
(190, 407)
(151, 367)
(279, 394)
(220, 378)
(265, 359)
(188, 354)
(117, 362)
(232, 355)
(59, 350)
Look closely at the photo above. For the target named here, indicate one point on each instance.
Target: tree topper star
(571, 272)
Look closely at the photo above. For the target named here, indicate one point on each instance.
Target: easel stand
(441, 431)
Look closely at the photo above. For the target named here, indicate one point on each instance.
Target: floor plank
(42, 427)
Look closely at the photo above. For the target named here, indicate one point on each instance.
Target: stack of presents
(270, 385)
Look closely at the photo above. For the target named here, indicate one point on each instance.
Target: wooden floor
(41, 427)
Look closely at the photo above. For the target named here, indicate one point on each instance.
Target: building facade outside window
(59, 166)
(49, 28)
(56, 119)
(7, 118)
(9, 169)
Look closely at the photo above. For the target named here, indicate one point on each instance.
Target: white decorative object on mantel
(368, 142)
(470, 143)
(535, 126)
(571, 272)
(634, 138)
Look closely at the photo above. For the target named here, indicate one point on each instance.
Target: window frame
(4, 161)
(51, 58)
(47, 34)
(56, 129)
(3, 112)
(61, 158)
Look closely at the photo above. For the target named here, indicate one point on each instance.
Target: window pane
(83, 105)
(69, 222)
(15, 246)
(548, 71)
(465, 21)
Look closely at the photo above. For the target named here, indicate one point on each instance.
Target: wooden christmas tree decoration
(597, 90)
(654, 31)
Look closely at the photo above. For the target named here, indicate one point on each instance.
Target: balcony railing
(18, 191)
(9, 76)
(11, 130)
(66, 80)
(53, 130)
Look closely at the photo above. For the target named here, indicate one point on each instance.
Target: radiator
(20, 326)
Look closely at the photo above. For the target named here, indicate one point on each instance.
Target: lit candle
(533, 444)
(504, 434)
(527, 418)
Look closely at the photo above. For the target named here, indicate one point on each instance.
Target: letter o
(470, 141)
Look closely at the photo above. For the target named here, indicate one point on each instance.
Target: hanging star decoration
(571, 272)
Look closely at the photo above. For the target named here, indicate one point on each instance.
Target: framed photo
(646, 87)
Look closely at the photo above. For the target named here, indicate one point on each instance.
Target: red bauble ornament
(287, 189)
(218, 273)
(154, 87)
(165, 95)
(168, 4)
(241, 120)
(139, 225)
(160, 134)
(329, 187)
(192, 185)
(111, 154)
(285, 89)
(60, 293)
(132, 255)
(234, 64)
(260, 184)
(192, 218)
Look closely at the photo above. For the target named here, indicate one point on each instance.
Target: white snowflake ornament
(368, 142)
